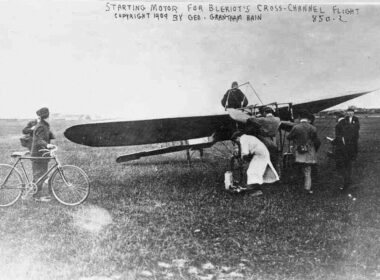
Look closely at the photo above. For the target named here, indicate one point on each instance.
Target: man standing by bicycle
(41, 140)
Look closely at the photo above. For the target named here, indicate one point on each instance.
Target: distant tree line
(357, 110)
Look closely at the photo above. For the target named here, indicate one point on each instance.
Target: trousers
(39, 168)
(306, 168)
(345, 170)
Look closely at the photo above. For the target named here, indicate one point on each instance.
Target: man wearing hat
(269, 125)
(234, 98)
(344, 151)
(306, 144)
(41, 140)
(353, 127)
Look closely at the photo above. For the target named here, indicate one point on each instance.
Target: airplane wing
(128, 133)
(152, 131)
(320, 105)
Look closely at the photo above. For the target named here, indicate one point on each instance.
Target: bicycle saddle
(20, 154)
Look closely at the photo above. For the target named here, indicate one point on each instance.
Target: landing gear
(190, 152)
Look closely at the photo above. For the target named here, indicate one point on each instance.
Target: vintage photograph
(189, 140)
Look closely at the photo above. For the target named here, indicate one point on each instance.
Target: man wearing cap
(41, 140)
(352, 137)
(344, 153)
(306, 144)
(269, 125)
(234, 98)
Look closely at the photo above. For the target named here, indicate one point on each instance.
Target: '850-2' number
(323, 18)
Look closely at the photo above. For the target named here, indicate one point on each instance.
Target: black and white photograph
(209, 140)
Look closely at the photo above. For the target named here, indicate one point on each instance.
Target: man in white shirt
(261, 169)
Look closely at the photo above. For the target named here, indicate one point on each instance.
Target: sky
(76, 58)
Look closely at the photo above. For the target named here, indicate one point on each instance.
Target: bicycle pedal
(26, 196)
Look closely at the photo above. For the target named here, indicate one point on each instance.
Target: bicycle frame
(6, 178)
(43, 177)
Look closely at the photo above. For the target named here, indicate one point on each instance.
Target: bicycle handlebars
(49, 151)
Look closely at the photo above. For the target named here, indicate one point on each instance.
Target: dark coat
(28, 129)
(27, 139)
(353, 128)
(41, 137)
(345, 142)
(305, 134)
(268, 125)
(234, 98)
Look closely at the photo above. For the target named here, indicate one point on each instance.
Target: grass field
(159, 219)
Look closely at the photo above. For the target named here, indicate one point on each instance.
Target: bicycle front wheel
(70, 185)
(11, 185)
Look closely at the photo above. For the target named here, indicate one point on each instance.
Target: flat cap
(43, 113)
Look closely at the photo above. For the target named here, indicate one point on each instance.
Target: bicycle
(69, 184)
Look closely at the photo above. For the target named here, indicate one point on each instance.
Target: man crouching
(261, 169)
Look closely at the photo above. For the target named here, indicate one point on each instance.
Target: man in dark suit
(41, 140)
(353, 127)
(344, 149)
(234, 98)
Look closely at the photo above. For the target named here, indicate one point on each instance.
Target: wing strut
(262, 103)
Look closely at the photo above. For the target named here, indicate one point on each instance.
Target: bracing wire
(257, 95)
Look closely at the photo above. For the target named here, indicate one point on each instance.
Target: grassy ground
(159, 219)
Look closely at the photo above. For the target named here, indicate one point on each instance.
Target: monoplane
(188, 133)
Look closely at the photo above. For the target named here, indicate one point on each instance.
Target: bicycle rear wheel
(70, 185)
(10, 185)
